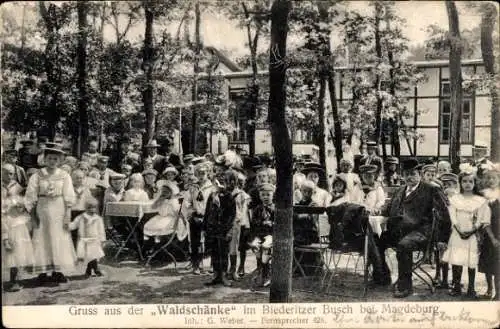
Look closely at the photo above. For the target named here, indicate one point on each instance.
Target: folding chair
(424, 257)
(349, 260)
(321, 269)
(171, 244)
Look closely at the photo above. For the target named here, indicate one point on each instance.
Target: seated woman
(168, 207)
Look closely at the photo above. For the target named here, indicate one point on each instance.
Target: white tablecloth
(128, 209)
(378, 224)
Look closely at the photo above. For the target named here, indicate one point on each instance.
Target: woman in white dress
(50, 194)
(469, 212)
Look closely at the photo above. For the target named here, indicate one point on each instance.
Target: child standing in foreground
(261, 228)
(469, 212)
(17, 250)
(91, 234)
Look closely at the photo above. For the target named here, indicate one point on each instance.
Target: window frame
(469, 116)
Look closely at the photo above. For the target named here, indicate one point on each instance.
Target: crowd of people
(53, 209)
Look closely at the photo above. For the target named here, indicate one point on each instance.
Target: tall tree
(147, 67)
(323, 7)
(281, 283)
(489, 15)
(83, 118)
(455, 43)
(54, 19)
(379, 133)
(196, 69)
(258, 17)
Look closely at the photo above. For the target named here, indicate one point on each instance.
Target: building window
(240, 120)
(302, 136)
(467, 124)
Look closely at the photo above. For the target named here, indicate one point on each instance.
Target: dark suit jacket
(414, 212)
(219, 215)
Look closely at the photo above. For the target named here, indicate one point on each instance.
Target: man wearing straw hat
(157, 159)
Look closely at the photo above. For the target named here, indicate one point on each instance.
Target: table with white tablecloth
(132, 213)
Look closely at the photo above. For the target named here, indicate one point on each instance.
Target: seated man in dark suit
(409, 227)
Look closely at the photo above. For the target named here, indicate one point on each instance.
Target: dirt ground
(129, 282)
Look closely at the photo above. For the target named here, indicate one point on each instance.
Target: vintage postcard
(250, 164)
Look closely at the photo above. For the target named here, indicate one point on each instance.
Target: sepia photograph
(332, 163)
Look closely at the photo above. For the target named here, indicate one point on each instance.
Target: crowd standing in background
(52, 209)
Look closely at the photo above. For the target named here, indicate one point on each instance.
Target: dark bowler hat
(55, 149)
(409, 164)
(371, 144)
(368, 169)
(312, 167)
(449, 177)
(392, 160)
(27, 142)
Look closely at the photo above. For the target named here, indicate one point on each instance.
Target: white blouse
(43, 184)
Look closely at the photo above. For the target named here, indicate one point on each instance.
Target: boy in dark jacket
(261, 231)
(218, 223)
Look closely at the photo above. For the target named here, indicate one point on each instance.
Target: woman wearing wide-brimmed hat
(50, 194)
(314, 171)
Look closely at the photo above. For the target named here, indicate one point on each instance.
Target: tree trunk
(253, 96)
(336, 119)
(378, 52)
(323, 8)
(83, 119)
(147, 66)
(320, 131)
(281, 283)
(489, 14)
(252, 114)
(396, 144)
(455, 85)
(52, 110)
(197, 51)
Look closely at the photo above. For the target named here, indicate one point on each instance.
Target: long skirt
(52, 244)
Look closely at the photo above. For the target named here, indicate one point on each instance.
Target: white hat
(153, 143)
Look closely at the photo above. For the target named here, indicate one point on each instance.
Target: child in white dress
(17, 250)
(164, 223)
(91, 235)
(469, 212)
(136, 191)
